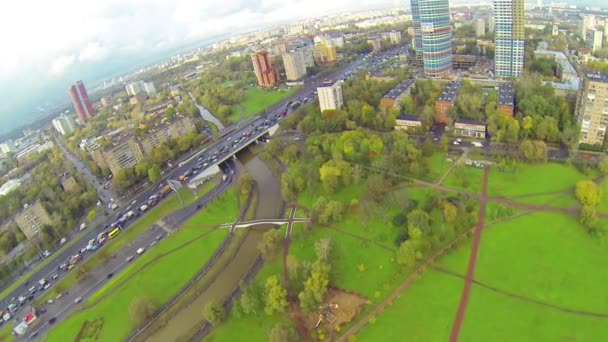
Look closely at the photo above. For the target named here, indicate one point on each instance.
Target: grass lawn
(531, 179)
(604, 201)
(168, 274)
(438, 166)
(5, 332)
(424, 312)
(166, 207)
(493, 317)
(256, 100)
(466, 178)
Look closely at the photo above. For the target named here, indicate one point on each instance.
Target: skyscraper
(267, 75)
(433, 36)
(80, 100)
(509, 33)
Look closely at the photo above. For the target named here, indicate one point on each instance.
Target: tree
(588, 216)
(276, 296)
(170, 112)
(412, 250)
(588, 193)
(603, 165)
(420, 219)
(450, 212)
(283, 333)
(533, 151)
(428, 147)
(250, 301)
(141, 309)
(214, 313)
(92, 215)
(322, 249)
(270, 243)
(154, 174)
(315, 287)
(377, 186)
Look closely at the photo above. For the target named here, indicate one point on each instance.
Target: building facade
(135, 88)
(80, 100)
(330, 97)
(392, 100)
(31, 219)
(433, 36)
(295, 67)
(408, 123)
(480, 27)
(376, 44)
(122, 154)
(395, 37)
(150, 89)
(593, 114)
(64, 124)
(509, 38)
(265, 73)
(165, 130)
(445, 102)
(595, 39)
(324, 53)
(470, 128)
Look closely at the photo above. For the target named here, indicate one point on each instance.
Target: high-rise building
(80, 100)
(295, 68)
(324, 53)
(264, 71)
(480, 27)
(32, 218)
(307, 55)
(510, 38)
(330, 97)
(593, 112)
(123, 153)
(64, 124)
(150, 89)
(491, 24)
(135, 88)
(433, 36)
(594, 39)
(588, 24)
(376, 44)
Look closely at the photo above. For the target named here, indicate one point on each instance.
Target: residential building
(330, 97)
(509, 38)
(392, 100)
(588, 24)
(64, 124)
(376, 44)
(10, 186)
(506, 99)
(165, 129)
(31, 219)
(307, 55)
(433, 36)
(594, 40)
(106, 101)
(470, 128)
(150, 89)
(395, 37)
(337, 41)
(464, 61)
(265, 73)
(122, 153)
(95, 150)
(379, 76)
(570, 83)
(8, 146)
(593, 112)
(408, 123)
(324, 53)
(480, 27)
(445, 102)
(68, 183)
(295, 68)
(80, 100)
(135, 88)
(491, 24)
(159, 107)
(554, 30)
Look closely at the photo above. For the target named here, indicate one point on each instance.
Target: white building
(150, 89)
(64, 124)
(595, 39)
(295, 68)
(336, 41)
(588, 24)
(330, 97)
(480, 27)
(134, 88)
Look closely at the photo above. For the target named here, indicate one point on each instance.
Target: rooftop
(596, 76)
(399, 89)
(450, 91)
(408, 118)
(505, 94)
(470, 122)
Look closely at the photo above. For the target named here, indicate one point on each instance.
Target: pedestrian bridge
(247, 224)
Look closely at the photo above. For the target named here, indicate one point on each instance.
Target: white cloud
(61, 64)
(93, 51)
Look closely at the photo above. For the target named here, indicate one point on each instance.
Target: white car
(55, 276)
(140, 251)
(78, 300)
(83, 226)
(47, 286)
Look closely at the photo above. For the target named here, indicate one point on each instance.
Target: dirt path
(294, 306)
(468, 281)
(448, 171)
(524, 299)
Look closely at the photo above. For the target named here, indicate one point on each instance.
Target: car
(52, 320)
(78, 300)
(59, 296)
(129, 258)
(62, 266)
(47, 286)
(54, 276)
(71, 267)
(140, 250)
(83, 226)
(32, 289)
(50, 301)
(160, 236)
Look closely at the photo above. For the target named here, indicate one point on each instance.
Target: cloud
(61, 64)
(93, 51)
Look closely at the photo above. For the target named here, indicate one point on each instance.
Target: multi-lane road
(223, 149)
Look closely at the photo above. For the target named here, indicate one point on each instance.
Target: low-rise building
(159, 107)
(470, 128)
(392, 100)
(31, 219)
(379, 76)
(464, 61)
(408, 123)
(445, 102)
(506, 99)
(68, 183)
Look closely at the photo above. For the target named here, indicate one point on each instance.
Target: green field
(166, 207)
(466, 178)
(256, 100)
(5, 333)
(165, 269)
(438, 165)
(604, 200)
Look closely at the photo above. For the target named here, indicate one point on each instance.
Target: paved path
(468, 282)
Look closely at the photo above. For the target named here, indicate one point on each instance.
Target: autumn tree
(315, 286)
(275, 296)
(588, 216)
(270, 243)
(323, 248)
(412, 250)
(588, 193)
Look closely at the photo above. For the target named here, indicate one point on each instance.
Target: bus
(114, 233)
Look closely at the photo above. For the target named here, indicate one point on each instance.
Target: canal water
(268, 206)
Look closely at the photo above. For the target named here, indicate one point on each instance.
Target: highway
(222, 150)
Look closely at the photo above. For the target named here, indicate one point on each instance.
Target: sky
(47, 45)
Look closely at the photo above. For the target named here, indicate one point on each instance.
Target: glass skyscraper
(510, 42)
(433, 36)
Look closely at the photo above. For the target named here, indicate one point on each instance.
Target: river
(268, 206)
(207, 114)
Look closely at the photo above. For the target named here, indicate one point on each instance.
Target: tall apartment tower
(295, 67)
(593, 113)
(80, 100)
(510, 38)
(267, 76)
(433, 36)
(330, 97)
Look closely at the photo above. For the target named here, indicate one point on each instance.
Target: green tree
(450, 212)
(281, 332)
(92, 215)
(588, 193)
(420, 219)
(170, 112)
(270, 243)
(428, 147)
(603, 165)
(412, 250)
(214, 313)
(315, 287)
(275, 296)
(251, 300)
(588, 216)
(154, 174)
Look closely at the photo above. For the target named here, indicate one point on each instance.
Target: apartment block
(480, 27)
(445, 102)
(376, 44)
(509, 38)
(31, 219)
(265, 73)
(593, 112)
(122, 153)
(163, 130)
(330, 97)
(324, 53)
(392, 100)
(295, 67)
